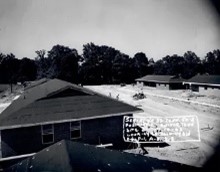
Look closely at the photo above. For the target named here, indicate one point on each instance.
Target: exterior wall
(140, 84)
(177, 86)
(209, 91)
(28, 140)
(149, 84)
(163, 86)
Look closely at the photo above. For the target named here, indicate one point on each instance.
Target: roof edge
(165, 82)
(68, 120)
(200, 83)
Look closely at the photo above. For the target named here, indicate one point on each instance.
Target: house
(56, 110)
(167, 82)
(204, 84)
(67, 156)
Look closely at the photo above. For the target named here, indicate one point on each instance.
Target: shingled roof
(161, 79)
(204, 80)
(58, 101)
(67, 156)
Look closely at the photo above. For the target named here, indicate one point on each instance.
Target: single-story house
(67, 156)
(204, 84)
(57, 110)
(168, 82)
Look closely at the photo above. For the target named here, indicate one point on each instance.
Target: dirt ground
(166, 103)
(174, 103)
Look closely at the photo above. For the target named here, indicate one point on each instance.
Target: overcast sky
(155, 27)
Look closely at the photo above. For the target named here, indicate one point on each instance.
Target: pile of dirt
(138, 96)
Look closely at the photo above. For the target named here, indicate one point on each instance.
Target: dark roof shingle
(160, 79)
(205, 79)
(38, 105)
(66, 156)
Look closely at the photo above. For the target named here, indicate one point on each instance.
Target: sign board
(161, 129)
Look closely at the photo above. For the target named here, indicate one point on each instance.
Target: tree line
(102, 65)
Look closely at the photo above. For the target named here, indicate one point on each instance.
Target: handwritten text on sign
(161, 129)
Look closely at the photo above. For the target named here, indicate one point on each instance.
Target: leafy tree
(211, 62)
(61, 62)
(27, 70)
(120, 68)
(9, 68)
(97, 64)
(192, 65)
(69, 67)
(141, 63)
(169, 65)
(43, 64)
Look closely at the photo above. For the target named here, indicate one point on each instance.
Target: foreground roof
(58, 101)
(67, 156)
(160, 79)
(204, 80)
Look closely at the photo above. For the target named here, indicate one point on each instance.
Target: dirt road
(191, 153)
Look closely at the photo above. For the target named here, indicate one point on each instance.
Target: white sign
(161, 129)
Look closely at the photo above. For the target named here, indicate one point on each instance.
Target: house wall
(96, 131)
(149, 84)
(177, 86)
(162, 86)
(209, 91)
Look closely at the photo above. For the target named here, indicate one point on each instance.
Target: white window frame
(43, 134)
(72, 129)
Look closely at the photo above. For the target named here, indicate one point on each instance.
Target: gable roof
(160, 79)
(31, 84)
(72, 156)
(41, 105)
(204, 80)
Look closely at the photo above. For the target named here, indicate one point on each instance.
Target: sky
(155, 27)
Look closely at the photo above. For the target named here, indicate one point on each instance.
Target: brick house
(55, 110)
(167, 82)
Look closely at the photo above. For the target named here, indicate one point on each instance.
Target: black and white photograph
(109, 85)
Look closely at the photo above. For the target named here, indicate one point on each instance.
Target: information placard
(161, 129)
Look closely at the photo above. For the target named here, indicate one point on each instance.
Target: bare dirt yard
(165, 103)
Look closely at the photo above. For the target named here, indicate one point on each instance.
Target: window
(75, 130)
(47, 133)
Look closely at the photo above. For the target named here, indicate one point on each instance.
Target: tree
(141, 63)
(43, 64)
(169, 65)
(61, 62)
(211, 62)
(192, 65)
(69, 68)
(9, 68)
(27, 70)
(121, 69)
(97, 64)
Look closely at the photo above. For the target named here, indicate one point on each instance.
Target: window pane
(75, 134)
(48, 138)
(47, 132)
(47, 129)
(75, 125)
